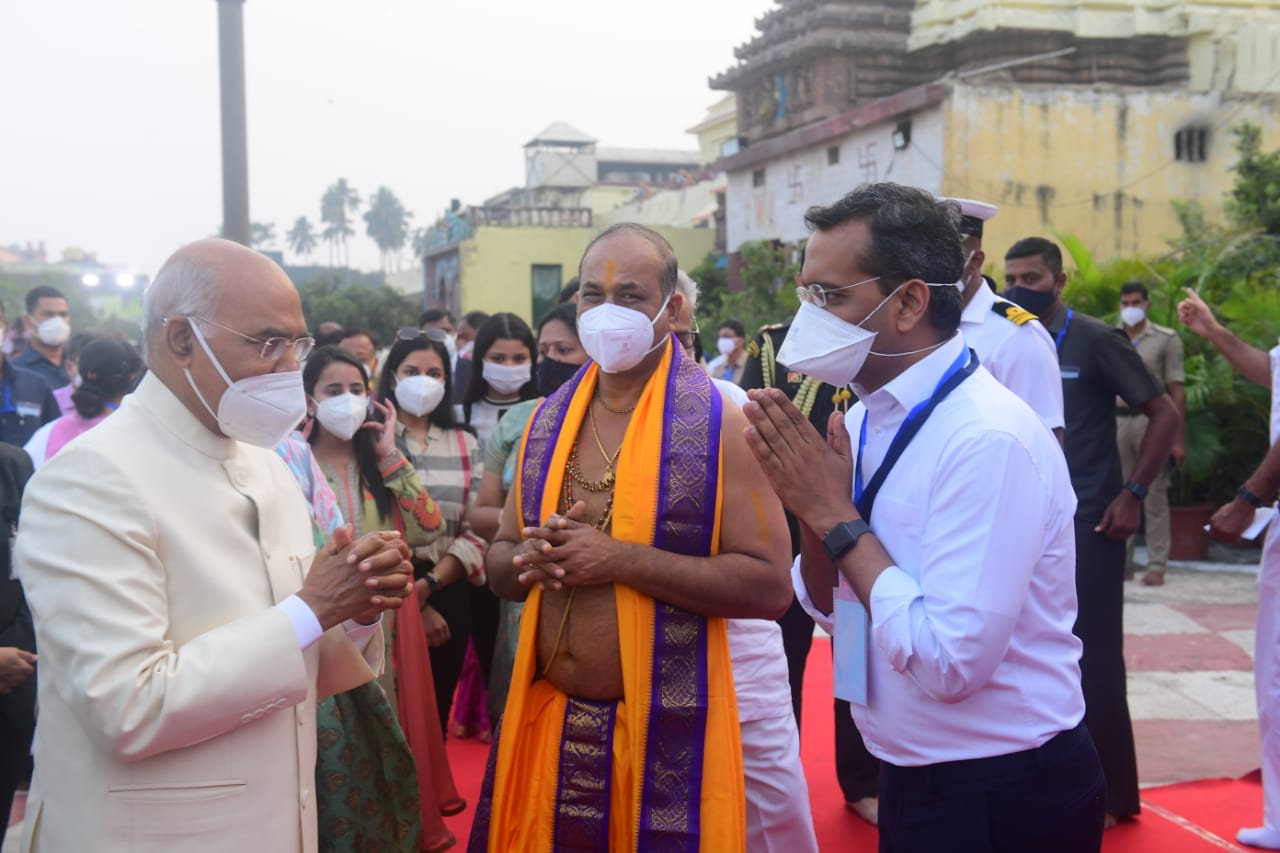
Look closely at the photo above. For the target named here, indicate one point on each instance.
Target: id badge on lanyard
(852, 646)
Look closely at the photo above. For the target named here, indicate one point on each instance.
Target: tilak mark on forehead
(610, 270)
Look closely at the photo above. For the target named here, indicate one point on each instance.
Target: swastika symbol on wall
(795, 185)
(868, 163)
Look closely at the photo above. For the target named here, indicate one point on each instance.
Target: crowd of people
(263, 573)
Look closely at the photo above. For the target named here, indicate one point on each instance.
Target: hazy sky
(109, 122)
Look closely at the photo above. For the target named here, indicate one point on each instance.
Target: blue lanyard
(1062, 333)
(958, 372)
(8, 401)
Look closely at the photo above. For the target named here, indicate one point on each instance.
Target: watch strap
(1139, 491)
(1249, 497)
(840, 539)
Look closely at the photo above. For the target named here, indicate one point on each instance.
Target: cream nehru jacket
(177, 712)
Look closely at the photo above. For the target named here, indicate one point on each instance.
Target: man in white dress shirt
(185, 622)
(1229, 522)
(1010, 342)
(952, 612)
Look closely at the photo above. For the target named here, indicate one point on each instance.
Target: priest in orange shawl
(621, 727)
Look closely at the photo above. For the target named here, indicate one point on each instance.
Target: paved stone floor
(1189, 652)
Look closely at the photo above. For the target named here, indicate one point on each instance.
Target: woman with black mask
(560, 356)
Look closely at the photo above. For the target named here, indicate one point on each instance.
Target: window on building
(1191, 144)
(546, 280)
(833, 155)
(757, 178)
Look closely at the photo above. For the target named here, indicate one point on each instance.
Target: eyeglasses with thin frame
(431, 333)
(273, 349)
(817, 293)
(685, 336)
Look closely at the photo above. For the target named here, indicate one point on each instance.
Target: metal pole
(235, 143)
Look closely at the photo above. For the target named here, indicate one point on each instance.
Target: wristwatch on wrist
(1249, 497)
(1139, 490)
(840, 539)
(433, 581)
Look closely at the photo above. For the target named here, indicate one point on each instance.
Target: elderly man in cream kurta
(186, 624)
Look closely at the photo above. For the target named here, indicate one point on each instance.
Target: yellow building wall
(719, 126)
(692, 245)
(1098, 164)
(1233, 44)
(496, 263)
(602, 199)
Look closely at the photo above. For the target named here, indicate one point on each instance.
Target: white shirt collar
(979, 308)
(916, 383)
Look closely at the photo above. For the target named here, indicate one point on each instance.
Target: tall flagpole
(235, 142)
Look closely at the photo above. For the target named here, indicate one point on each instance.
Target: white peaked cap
(976, 209)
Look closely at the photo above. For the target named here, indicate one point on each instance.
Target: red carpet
(1191, 817)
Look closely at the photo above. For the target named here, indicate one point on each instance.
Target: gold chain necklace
(609, 461)
(601, 401)
(566, 504)
(571, 468)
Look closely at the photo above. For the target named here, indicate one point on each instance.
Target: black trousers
(857, 770)
(1100, 627)
(1046, 800)
(15, 766)
(454, 604)
(484, 626)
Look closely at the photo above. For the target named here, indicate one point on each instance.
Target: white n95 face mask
(506, 378)
(419, 395)
(53, 332)
(259, 410)
(343, 415)
(725, 345)
(1132, 315)
(825, 347)
(618, 338)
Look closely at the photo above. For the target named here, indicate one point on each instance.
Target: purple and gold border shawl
(688, 483)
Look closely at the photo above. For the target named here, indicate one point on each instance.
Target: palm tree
(301, 237)
(338, 200)
(262, 234)
(387, 222)
(420, 243)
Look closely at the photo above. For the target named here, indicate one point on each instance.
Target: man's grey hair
(688, 288)
(181, 287)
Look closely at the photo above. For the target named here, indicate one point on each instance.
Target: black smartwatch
(1139, 490)
(840, 539)
(433, 581)
(1249, 497)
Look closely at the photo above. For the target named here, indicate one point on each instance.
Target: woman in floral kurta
(378, 791)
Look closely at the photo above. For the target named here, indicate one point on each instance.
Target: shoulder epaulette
(1015, 314)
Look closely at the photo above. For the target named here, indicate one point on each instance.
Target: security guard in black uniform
(856, 768)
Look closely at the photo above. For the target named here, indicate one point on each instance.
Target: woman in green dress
(382, 777)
